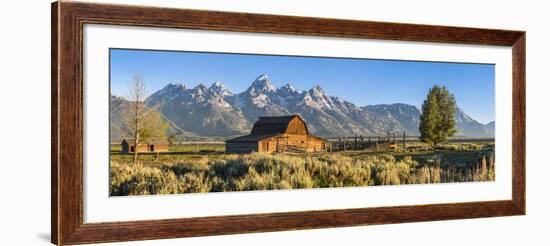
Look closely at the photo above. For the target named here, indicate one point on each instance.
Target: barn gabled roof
(273, 124)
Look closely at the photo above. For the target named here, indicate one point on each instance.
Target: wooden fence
(381, 143)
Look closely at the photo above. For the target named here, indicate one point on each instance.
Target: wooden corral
(146, 146)
(391, 141)
(277, 134)
(373, 143)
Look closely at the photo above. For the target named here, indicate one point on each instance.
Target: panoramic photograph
(197, 122)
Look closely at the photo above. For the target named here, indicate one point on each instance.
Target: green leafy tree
(447, 108)
(437, 122)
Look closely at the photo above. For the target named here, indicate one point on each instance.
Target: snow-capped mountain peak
(220, 89)
(261, 85)
(287, 90)
(201, 88)
(288, 87)
(201, 93)
(174, 86)
(317, 91)
(170, 91)
(262, 77)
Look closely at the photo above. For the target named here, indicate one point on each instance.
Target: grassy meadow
(203, 167)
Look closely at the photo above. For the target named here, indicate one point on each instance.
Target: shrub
(262, 171)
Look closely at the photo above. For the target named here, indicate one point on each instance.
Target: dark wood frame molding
(68, 19)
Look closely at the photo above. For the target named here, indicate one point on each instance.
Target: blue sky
(361, 81)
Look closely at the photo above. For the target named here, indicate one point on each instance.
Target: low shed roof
(250, 138)
(132, 141)
(256, 138)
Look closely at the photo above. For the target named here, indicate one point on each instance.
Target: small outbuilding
(277, 134)
(146, 146)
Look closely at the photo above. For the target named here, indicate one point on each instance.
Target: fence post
(404, 141)
(344, 144)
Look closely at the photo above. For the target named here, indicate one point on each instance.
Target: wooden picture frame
(68, 19)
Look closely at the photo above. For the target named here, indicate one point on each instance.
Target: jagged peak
(262, 77)
(173, 85)
(461, 116)
(317, 91)
(171, 90)
(200, 88)
(219, 88)
(261, 84)
(287, 88)
(217, 84)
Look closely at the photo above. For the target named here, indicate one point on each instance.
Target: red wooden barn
(277, 134)
(146, 146)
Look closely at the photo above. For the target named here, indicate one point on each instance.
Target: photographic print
(289, 122)
(195, 122)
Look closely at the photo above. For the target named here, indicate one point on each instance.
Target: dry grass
(269, 172)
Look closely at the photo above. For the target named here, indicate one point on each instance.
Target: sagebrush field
(205, 168)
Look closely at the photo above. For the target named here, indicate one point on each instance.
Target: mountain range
(215, 111)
